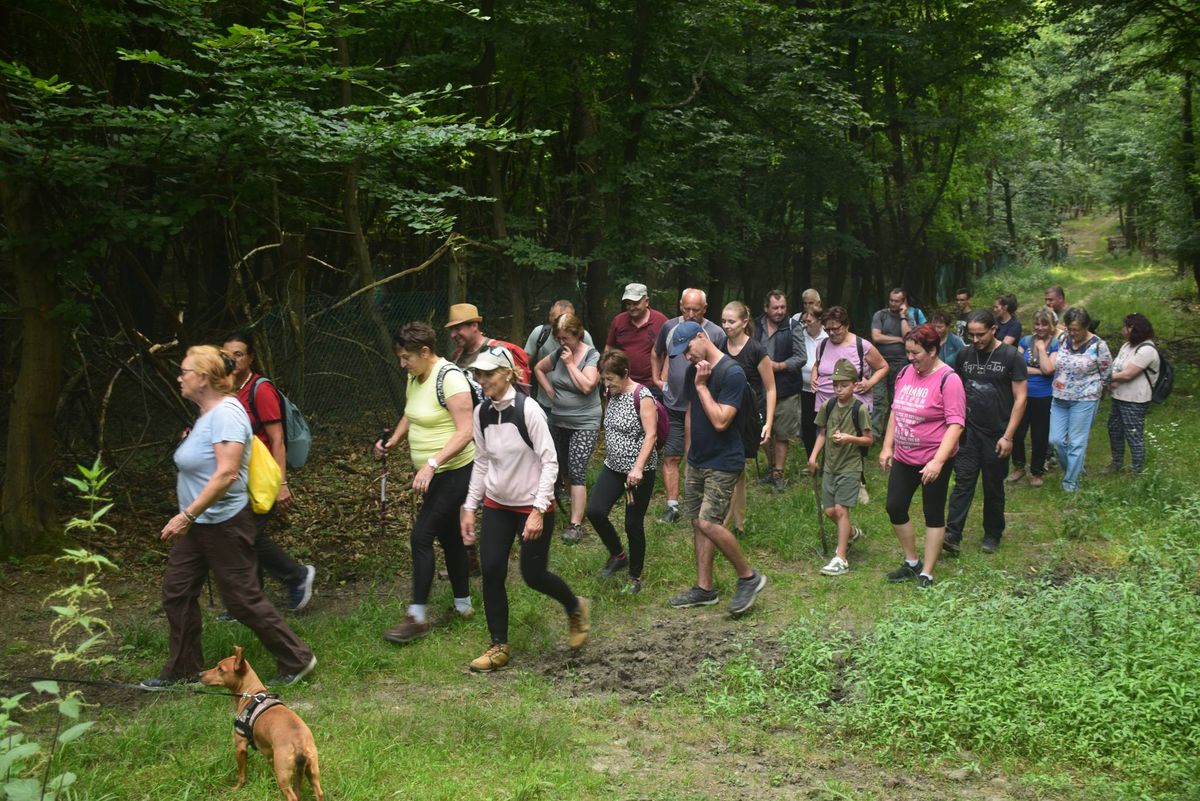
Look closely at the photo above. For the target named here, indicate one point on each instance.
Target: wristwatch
(432, 462)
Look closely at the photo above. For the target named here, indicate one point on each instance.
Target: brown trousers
(227, 549)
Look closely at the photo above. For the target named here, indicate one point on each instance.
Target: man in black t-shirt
(993, 374)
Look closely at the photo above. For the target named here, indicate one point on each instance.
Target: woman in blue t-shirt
(215, 530)
(1036, 421)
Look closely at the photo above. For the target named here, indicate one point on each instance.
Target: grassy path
(663, 704)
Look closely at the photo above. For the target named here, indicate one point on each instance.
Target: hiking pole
(820, 514)
(383, 438)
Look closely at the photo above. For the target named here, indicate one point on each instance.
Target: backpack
(520, 361)
(514, 414)
(439, 385)
(664, 420)
(297, 437)
(748, 423)
(1161, 386)
(862, 365)
(854, 408)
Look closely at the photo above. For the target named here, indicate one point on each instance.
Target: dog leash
(120, 685)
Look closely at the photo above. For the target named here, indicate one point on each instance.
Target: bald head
(560, 308)
(693, 304)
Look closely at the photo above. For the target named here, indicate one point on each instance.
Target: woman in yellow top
(437, 423)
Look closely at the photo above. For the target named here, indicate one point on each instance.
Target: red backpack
(664, 421)
(520, 361)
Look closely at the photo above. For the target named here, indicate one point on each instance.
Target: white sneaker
(837, 566)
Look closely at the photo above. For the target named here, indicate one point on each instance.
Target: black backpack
(514, 414)
(439, 385)
(748, 422)
(1164, 382)
(862, 365)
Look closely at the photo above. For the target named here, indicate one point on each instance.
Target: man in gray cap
(669, 372)
(634, 331)
(713, 387)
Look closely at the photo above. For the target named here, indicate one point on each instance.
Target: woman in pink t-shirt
(842, 344)
(926, 421)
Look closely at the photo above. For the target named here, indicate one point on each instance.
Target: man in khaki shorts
(716, 456)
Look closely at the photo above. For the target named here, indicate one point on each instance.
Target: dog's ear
(240, 662)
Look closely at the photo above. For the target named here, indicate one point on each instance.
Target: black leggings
(902, 485)
(500, 527)
(608, 489)
(438, 519)
(1036, 422)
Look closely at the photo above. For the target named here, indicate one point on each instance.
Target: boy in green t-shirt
(844, 462)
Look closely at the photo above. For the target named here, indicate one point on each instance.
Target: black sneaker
(226, 617)
(990, 544)
(615, 564)
(905, 572)
(300, 593)
(924, 582)
(670, 516)
(292, 678)
(951, 543)
(157, 683)
(695, 597)
(747, 590)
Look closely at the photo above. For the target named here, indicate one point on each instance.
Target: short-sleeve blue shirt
(711, 449)
(196, 460)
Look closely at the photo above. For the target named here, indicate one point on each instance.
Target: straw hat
(463, 313)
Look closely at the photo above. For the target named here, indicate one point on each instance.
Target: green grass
(1064, 664)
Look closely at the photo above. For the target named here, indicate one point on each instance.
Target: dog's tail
(301, 763)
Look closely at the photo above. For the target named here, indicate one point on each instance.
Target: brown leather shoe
(494, 658)
(579, 624)
(407, 631)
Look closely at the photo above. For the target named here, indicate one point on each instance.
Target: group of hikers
(501, 436)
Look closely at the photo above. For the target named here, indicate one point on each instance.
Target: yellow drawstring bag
(265, 477)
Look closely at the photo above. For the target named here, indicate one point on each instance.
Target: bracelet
(283, 483)
(191, 518)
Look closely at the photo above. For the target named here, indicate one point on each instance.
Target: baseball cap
(683, 334)
(635, 292)
(492, 357)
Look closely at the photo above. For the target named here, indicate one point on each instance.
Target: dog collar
(243, 724)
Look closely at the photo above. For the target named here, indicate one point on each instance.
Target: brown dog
(276, 730)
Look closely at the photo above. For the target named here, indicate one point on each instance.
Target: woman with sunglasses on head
(437, 425)
(215, 531)
(570, 377)
(1134, 372)
(513, 480)
(751, 355)
(1082, 369)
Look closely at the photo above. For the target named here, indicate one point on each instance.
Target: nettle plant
(77, 633)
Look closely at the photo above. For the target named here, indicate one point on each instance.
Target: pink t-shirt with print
(924, 409)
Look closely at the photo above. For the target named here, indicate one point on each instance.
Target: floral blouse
(1084, 373)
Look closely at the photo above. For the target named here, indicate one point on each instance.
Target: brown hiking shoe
(579, 624)
(494, 658)
(407, 631)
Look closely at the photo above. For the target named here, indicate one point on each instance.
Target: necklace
(247, 381)
(991, 353)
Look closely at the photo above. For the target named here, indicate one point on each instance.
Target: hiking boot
(952, 543)
(1111, 470)
(291, 678)
(573, 534)
(633, 587)
(837, 567)
(494, 658)
(157, 683)
(778, 482)
(1036, 481)
(990, 544)
(670, 516)
(747, 590)
(905, 572)
(696, 596)
(615, 565)
(301, 591)
(767, 479)
(924, 582)
(1016, 475)
(407, 631)
(579, 624)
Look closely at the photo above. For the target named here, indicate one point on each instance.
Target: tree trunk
(28, 521)
(1190, 258)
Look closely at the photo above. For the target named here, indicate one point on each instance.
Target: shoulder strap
(854, 409)
(862, 364)
(541, 340)
(514, 414)
(821, 349)
(439, 384)
(254, 421)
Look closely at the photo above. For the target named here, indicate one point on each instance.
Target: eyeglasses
(183, 370)
(237, 354)
(833, 329)
(977, 334)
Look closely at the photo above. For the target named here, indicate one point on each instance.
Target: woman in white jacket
(513, 479)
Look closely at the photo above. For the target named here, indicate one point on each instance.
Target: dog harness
(243, 724)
